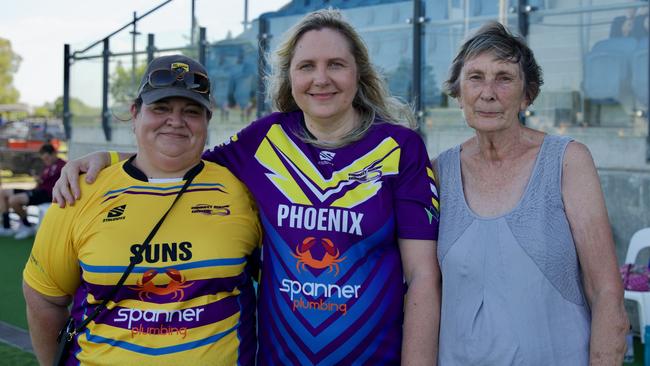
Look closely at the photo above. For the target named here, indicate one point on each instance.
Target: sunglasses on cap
(162, 78)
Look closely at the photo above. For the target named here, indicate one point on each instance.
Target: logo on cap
(180, 65)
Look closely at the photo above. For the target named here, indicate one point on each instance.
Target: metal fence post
(193, 23)
(66, 92)
(522, 17)
(202, 45)
(134, 59)
(106, 114)
(523, 11)
(262, 48)
(150, 47)
(416, 92)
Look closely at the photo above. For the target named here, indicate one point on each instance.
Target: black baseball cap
(176, 76)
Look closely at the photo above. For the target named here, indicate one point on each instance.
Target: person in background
(633, 24)
(189, 299)
(18, 199)
(529, 272)
(348, 205)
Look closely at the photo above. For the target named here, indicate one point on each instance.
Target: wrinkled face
(171, 128)
(323, 75)
(491, 93)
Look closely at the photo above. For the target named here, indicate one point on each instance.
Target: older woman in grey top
(525, 247)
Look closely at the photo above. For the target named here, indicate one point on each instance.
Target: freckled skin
(491, 93)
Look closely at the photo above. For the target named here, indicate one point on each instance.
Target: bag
(635, 277)
(64, 341)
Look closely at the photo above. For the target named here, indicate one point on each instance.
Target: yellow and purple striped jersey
(189, 299)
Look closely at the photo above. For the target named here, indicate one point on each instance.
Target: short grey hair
(494, 38)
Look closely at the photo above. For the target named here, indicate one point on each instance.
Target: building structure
(594, 55)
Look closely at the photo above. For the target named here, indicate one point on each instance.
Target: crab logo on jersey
(175, 287)
(329, 260)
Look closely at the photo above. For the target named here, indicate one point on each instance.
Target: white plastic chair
(35, 214)
(640, 240)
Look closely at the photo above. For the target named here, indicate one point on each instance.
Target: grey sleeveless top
(511, 286)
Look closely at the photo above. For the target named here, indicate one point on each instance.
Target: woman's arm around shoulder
(585, 209)
(67, 189)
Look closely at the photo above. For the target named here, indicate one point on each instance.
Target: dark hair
(138, 103)
(494, 38)
(47, 149)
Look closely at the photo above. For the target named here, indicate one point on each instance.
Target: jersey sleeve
(251, 207)
(416, 193)
(52, 268)
(254, 262)
(236, 153)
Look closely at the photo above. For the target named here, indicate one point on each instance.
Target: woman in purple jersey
(348, 203)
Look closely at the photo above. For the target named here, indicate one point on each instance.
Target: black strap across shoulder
(190, 177)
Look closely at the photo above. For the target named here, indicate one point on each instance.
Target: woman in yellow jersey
(348, 204)
(189, 298)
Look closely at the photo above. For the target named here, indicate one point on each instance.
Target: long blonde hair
(372, 101)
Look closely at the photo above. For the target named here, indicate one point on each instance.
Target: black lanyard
(72, 332)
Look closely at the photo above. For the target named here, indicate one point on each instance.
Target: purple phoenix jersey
(332, 289)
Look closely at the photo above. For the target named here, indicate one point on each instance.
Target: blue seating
(639, 68)
(399, 80)
(484, 7)
(491, 7)
(606, 69)
(296, 7)
(539, 4)
(604, 74)
(439, 51)
(623, 45)
(245, 84)
(436, 9)
(220, 88)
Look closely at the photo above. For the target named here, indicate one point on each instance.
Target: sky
(38, 29)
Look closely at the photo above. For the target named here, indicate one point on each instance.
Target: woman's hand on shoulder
(66, 189)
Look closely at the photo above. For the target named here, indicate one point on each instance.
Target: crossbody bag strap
(132, 263)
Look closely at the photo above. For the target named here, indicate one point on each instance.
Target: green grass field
(13, 356)
(13, 256)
